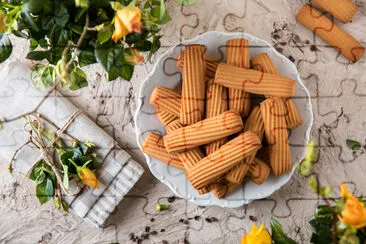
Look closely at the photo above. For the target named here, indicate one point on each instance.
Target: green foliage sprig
(67, 35)
(52, 175)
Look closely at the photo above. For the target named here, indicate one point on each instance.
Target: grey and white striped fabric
(116, 177)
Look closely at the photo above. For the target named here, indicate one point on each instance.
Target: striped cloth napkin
(116, 177)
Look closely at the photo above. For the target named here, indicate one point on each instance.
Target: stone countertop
(337, 89)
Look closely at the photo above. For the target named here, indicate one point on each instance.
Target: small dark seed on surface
(154, 232)
(131, 236)
(292, 59)
(313, 48)
(147, 229)
(162, 230)
(152, 219)
(181, 220)
(279, 49)
(171, 199)
(197, 217)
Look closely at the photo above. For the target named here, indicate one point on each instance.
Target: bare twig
(78, 44)
(56, 127)
(17, 151)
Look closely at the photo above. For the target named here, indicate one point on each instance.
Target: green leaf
(310, 159)
(112, 74)
(92, 163)
(187, 2)
(45, 191)
(86, 57)
(78, 79)
(311, 151)
(353, 145)
(40, 178)
(157, 16)
(105, 35)
(322, 230)
(42, 76)
(65, 206)
(322, 191)
(37, 170)
(37, 55)
(57, 202)
(61, 15)
(143, 45)
(322, 211)
(5, 47)
(162, 10)
(33, 44)
(82, 3)
(278, 236)
(155, 46)
(48, 134)
(65, 181)
(109, 55)
(127, 71)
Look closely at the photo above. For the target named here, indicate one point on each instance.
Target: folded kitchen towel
(116, 177)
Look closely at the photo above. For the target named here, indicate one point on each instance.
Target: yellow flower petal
(354, 212)
(127, 20)
(88, 177)
(257, 236)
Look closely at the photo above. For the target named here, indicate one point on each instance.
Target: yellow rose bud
(135, 57)
(354, 212)
(3, 26)
(127, 20)
(257, 236)
(88, 177)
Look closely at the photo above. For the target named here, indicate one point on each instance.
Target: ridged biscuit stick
(224, 189)
(258, 171)
(165, 117)
(203, 132)
(254, 81)
(343, 10)
(293, 119)
(255, 124)
(211, 65)
(193, 85)
(154, 146)
(237, 54)
(275, 127)
(216, 103)
(212, 167)
(165, 99)
(263, 63)
(190, 157)
(329, 32)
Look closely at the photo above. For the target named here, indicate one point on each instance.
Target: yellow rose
(257, 236)
(135, 57)
(354, 212)
(2, 21)
(127, 20)
(88, 177)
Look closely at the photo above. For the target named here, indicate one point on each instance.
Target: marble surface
(338, 92)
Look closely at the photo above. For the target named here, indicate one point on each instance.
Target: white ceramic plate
(166, 74)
